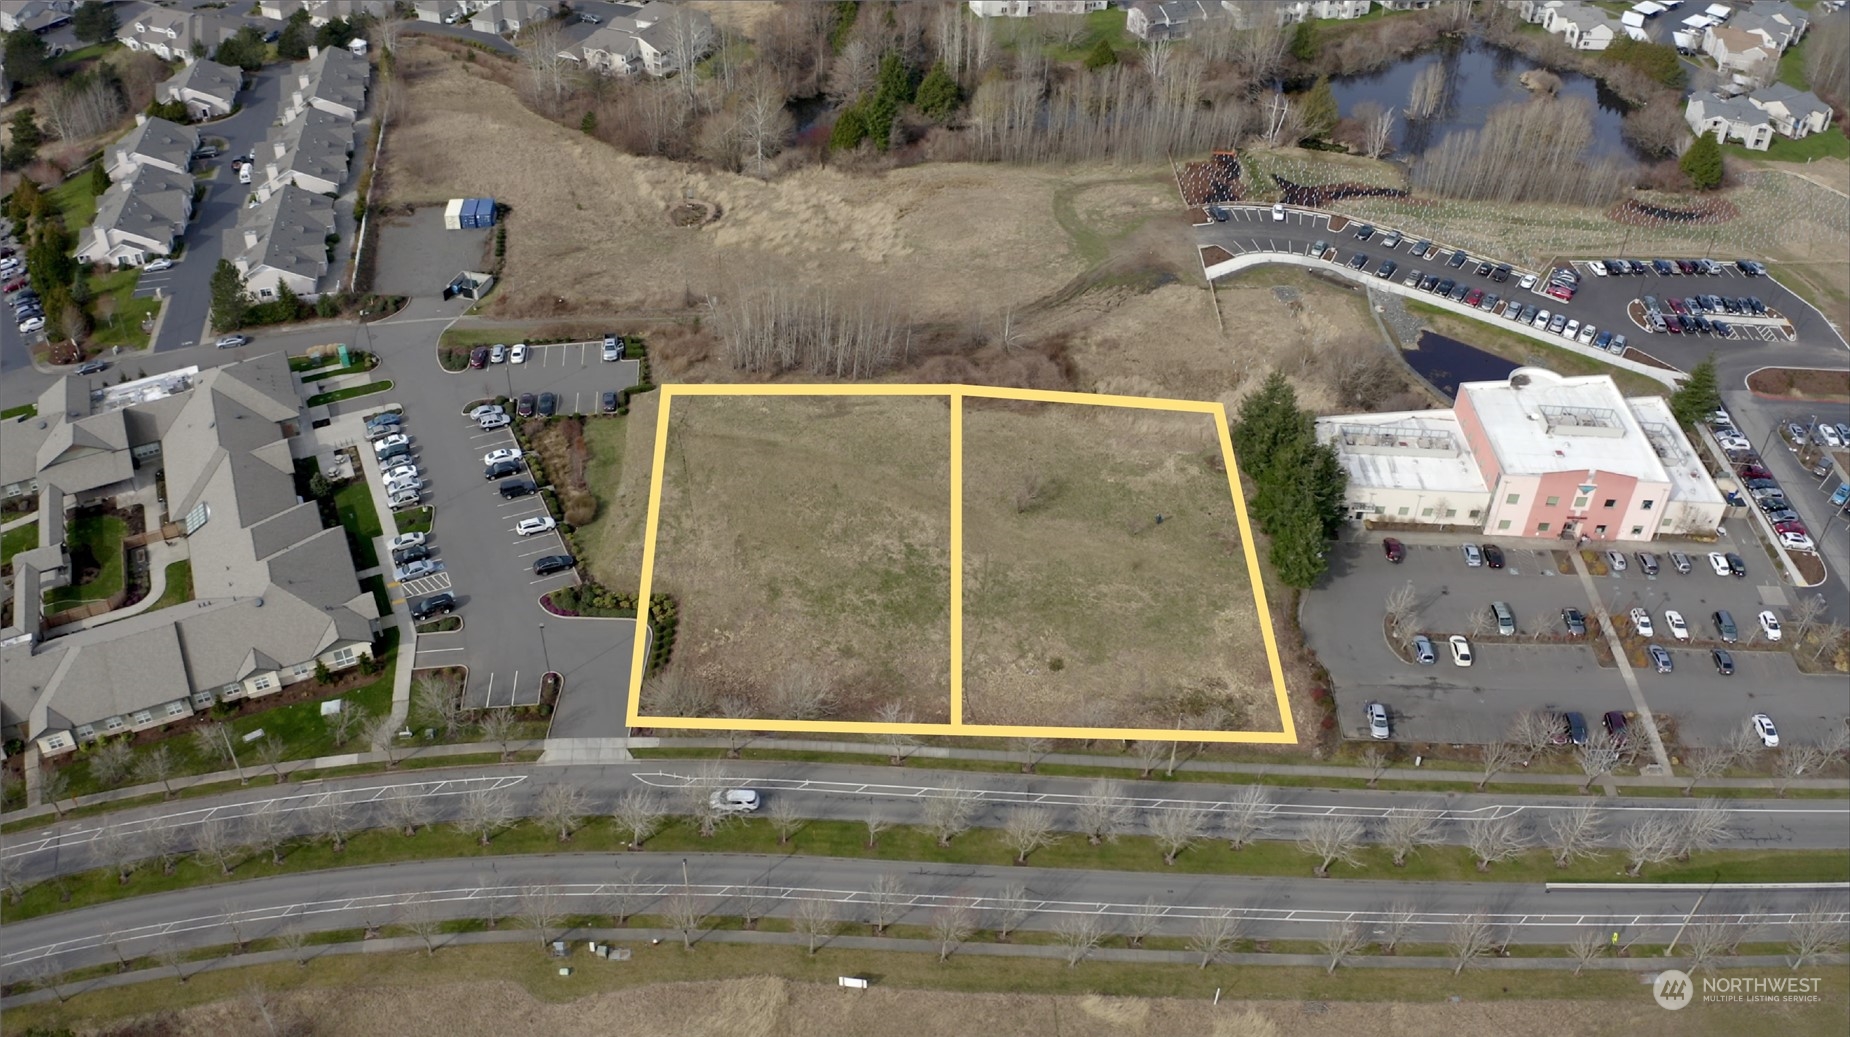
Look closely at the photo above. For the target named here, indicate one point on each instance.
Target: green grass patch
(1524, 350)
(338, 395)
(381, 597)
(416, 520)
(441, 626)
(117, 316)
(17, 539)
(1830, 144)
(74, 202)
(299, 364)
(179, 586)
(353, 501)
(24, 410)
(362, 363)
(98, 537)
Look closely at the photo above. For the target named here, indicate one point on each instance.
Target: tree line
(1299, 484)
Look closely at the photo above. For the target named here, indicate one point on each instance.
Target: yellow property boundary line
(956, 394)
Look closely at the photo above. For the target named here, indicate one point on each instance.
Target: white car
(1796, 542)
(1769, 625)
(404, 540)
(1278, 213)
(1528, 281)
(31, 324)
(518, 354)
(511, 453)
(1719, 563)
(490, 422)
(1678, 628)
(1763, 726)
(1828, 435)
(1461, 650)
(1598, 268)
(158, 265)
(1641, 622)
(1734, 443)
(537, 524)
(1588, 333)
(231, 342)
(485, 410)
(396, 439)
(1572, 331)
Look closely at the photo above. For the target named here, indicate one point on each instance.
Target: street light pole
(224, 734)
(544, 654)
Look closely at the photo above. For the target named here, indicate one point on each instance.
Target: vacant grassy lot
(731, 990)
(1080, 605)
(95, 543)
(353, 500)
(809, 538)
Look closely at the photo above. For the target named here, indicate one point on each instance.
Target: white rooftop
(143, 390)
(1689, 479)
(1422, 449)
(1540, 422)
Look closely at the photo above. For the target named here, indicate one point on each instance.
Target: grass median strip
(909, 844)
(349, 393)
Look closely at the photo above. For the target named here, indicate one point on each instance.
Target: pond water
(1480, 77)
(1445, 362)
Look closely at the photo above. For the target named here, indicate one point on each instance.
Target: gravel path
(1403, 325)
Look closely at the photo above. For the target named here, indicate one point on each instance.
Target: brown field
(1080, 608)
(808, 539)
(409, 995)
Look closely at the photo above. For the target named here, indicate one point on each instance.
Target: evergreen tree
(588, 124)
(80, 287)
(1698, 396)
(94, 21)
(99, 178)
(246, 50)
(337, 32)
(292, 45)
(1101, 55)
(1297, 553)
(938, 95)
(1268, 420)
(1318, 109)
(1702, 163)
(850, 130)
(1304, 42)
(172, 111)
(28, 59)
(27, 137)
(230, 303)
(26, 201)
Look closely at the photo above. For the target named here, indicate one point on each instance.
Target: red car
(1754, 471)
(1393, 549)
(1790, 527)
(1673, 325)
(478, 357)
(15, 285)
(1561, 292)
(1474, 296)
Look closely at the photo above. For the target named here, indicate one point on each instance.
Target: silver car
(1473, 556)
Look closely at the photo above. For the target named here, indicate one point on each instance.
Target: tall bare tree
(563, 807)
(549, 72)
(1598, 756)
(1817, 931)
(638, 812)
(1177, 828)
(951, 924)
(163, 846)
(1705, 762)
(1497, 758)
(54, 786)
(111, 763)
(1701, 826)
(1494, 839)
(786, 818)
(118, 851)
(1215, 933)
(1792, 762)
(1406, 829)
(1651, 840)
(949, 814)
(1332, 838)
(1078, 934)
(1340, 941)
(155, 765)
(344, 723)
(1574, 833)
(1469, 939)
(1377, 127)
(1375, 760)
(381, 735)
(436, 699)
(1587, 945)
(334, 819)
(764, 123)
(271, 752)
(539, 909)
(268, 831)
(422, 919)
(1144, 922)
(1104, 812)
(484, 811)
(1031, 751)
(1149, 753)
(685, 912)
(1395, 925)
(876, 821)
(815, 919)
(1010, 910)
(1247, 812)
(216, 843)
(887, 900)
(1027, 829)
(404, 810)
(899, 744)
(1533, 731)
(498, 727)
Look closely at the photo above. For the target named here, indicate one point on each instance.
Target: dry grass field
(808, 542)
(1080, 607)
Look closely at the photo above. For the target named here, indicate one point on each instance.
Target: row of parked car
(28, 311)
(509, 465)
(1758, 483)
(1697, 314)
(404, 482)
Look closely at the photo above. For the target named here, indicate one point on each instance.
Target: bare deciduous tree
(1104, 812)
(1246, 814)
(1586, 946)
(949, 814)
(1375, 760)
(1470, 938)
(1493, 839)
(1793, 762)
(1214, 934)
(484, 812)
(118, 851)
(876, 822)
(498, 727)
(1706, 762)
(549, 73)
(344, 723)
(1149, 753)
(1031, 751)
(764, 122)
(1498, 757)
(620, 897)
(436, 699)
(539, 909)
(334, 819)
(785, 818)
(638, 812)
(293, 935)
(1406, 829)
(899, 744)
(685, 912)
(1144, 921)
(156, 765)
(1651, 840)
(112, 763)
(1817, 931)
(271, 752)
(1027, 829)
(1534, 730)
(421, 918)
(268, 830)
(1332, 838)
(216, 843)
(405, 810)
(163, 845)
(1598, 756)
(1395, 925)
(54, 785)
(1701, 826)
(1011, 908)
(1176, 828)
(563, 807)
(887, 900)
(1341, 940)
(951, 924)
(1377, 127)
(1078, 934)
(381, 735)
(815, 919)
(1574, 833)
(1805, 613)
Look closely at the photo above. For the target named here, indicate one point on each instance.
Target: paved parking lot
(573, 371)
(418, 257)
(1446, 703)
